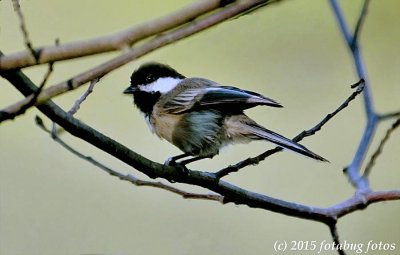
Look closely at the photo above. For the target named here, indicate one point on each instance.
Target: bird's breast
(165, 124)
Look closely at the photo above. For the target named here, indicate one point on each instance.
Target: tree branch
(127, 37)
(131, 54)
(255, 160)
(360, 22)
(112, 42)
(353, 169)
(4, 115)
(378, 151)
(360, 201)
(230, 192)
(127, 177)
(80, 100)
(33, 53)
(335, 238)
(389, 115)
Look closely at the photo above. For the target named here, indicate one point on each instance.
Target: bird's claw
(177, 165)
(170, 162)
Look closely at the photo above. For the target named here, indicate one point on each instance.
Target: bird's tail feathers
(265, 134)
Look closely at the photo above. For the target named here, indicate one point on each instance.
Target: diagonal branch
(126, 38)
(230, 192)
(34, 53)
(378, 151)
(80, 100)
(132, 54)
(127, 177)
(74, 109)
(112, 42)
(4, 115)
(255, 160)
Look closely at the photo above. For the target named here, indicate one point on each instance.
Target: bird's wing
(211, 96)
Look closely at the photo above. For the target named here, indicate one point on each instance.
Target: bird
(200, 116)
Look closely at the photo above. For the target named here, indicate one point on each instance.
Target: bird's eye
(149, 78)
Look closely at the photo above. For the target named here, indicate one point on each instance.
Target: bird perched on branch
(200, 116)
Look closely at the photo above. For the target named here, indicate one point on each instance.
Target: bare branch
(158, 42)
(361, 201)
(335, 237)
(255, 160)
(28, 43)
(230, 192)
(112, 42)
(80, 100)
(353, 169)
(128, 177)
(182, 193)
(124, 38)
(46, 77)
(75, 107)
(360, 22)
(378, 151)
(4, 115)
(389, 115)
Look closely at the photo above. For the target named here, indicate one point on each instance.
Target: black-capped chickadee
(200, 116)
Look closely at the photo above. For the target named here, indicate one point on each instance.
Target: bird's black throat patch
(145, 101)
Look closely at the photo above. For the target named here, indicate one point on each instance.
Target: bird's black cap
(149, 73)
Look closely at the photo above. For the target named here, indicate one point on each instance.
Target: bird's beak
(130, 90)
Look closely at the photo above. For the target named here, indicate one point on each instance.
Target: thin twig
(75, 107)
(378, 151)
(28, 43)
(389, 115)
(46, 77)
(182, 193)
(359, 24)
(44, 81)
(80, 100)
(335, 238)
(360, 85)
(255, 160)
(127, 177)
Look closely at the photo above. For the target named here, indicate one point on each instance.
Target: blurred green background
(51, 202)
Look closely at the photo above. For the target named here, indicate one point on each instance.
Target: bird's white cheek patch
(162, 85)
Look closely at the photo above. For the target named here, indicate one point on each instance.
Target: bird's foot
(172, 162)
